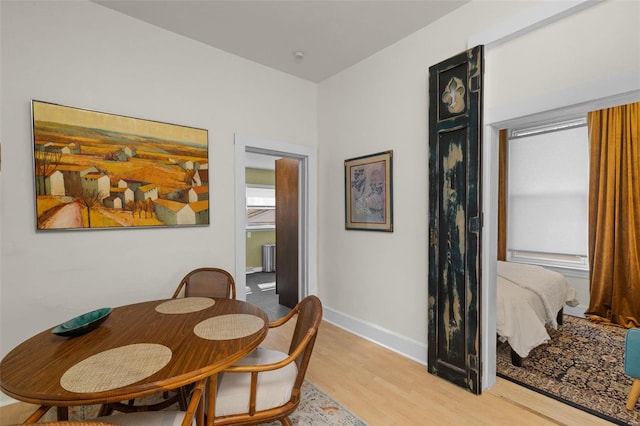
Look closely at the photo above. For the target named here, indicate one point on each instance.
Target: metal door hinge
(475, 224)
(472, 362)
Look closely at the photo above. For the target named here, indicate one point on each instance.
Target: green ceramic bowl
(83, 323)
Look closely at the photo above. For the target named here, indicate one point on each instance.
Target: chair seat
(147, 418)
(273, 390)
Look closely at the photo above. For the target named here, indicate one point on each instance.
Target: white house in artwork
(130, 151)
(187, 165)
(174, 213)
(112, 202)
(125, 194)
(73, 176)
(201, 210)
(95, 183)
(131, 184)
(70, 148)
(145, 192)
(53, 184)
(198, 193)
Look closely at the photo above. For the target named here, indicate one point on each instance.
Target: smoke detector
(298, 55)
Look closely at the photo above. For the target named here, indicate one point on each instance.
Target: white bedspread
(529, 298)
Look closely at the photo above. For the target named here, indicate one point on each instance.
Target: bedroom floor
(261, 291)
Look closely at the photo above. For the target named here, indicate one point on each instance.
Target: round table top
(138, 350)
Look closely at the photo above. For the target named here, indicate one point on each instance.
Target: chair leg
(285, 421)
(63, 413)
(183, 398)
(634, 394)
(105, 410)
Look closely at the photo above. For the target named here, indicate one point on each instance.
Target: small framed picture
(369, 192)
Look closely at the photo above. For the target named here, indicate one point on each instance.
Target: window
(548, 195)
(261, 207)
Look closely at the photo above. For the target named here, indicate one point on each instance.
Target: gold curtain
(502, 196)
(614, 215)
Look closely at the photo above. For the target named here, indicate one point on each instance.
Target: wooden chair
(632, 364)
(204, 282)
(194, 413)
(265, 386)
(207, 282)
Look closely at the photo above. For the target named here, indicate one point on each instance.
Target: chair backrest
(207, 282)
(632, 353)
(307, 324)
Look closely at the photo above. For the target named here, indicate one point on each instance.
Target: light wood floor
(384, 388)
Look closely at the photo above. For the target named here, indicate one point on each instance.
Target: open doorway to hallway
(246, 146)
(260, 286)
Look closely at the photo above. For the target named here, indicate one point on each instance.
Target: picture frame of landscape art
(369, 192)
(95, 170)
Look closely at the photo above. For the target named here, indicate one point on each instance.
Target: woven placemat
(185, 305)
(115, 368)
(231, 326)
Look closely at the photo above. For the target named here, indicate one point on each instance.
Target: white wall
(81, 54)
(376, 283)
(592, 54)
(379, 280)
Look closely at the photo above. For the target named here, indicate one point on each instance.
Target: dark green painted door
(455, 222)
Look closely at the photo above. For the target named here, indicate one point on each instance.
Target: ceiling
(333, 34)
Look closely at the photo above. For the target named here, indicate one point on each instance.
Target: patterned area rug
(319, 409)
(316, 409)
(582, 365)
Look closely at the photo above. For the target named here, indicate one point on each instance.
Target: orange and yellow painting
(95, 170)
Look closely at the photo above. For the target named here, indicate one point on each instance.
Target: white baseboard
(406, 347)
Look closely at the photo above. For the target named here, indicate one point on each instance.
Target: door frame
(308, 234)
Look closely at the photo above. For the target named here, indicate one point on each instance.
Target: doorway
(246, 147)
(272, 214)
(542, 110)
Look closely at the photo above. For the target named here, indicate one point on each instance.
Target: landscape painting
(95, 170)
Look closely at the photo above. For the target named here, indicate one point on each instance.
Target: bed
(530, 298)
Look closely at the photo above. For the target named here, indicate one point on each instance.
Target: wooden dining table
(139, 350)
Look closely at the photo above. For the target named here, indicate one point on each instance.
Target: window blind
(548, 184)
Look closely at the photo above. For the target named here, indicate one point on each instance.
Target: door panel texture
(455, 218)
